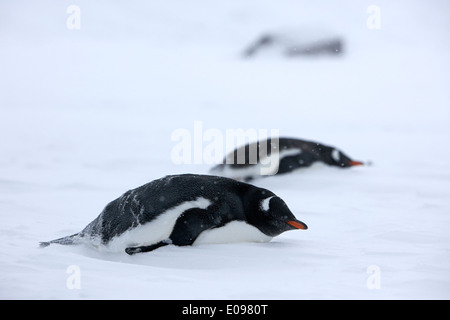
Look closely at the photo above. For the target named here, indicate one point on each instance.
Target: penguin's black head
(337, 158)
(273, 217)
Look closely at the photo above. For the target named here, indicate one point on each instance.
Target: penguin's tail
(73, 239)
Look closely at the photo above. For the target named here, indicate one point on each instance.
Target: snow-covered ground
(88, 114)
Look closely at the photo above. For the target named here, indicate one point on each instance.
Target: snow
(88, 114)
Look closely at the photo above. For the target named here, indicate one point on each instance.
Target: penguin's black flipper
(190, 224)
(133, 250)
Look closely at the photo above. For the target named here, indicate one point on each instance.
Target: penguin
(297, 42)
(183, 210)
(280, 156)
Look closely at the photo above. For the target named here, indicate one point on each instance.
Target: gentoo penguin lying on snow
(184, 210)
(279, 156)
(297, 42)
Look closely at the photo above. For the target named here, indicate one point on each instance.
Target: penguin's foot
(133, 250)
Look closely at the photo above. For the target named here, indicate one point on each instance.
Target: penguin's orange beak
(297, 224)
(356, 163)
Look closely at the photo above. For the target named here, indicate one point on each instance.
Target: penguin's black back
(145, 203)
(242, 157)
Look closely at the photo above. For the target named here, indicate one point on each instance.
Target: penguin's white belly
(234, 231)
(240, 173)
(154, 231)
(268, 165)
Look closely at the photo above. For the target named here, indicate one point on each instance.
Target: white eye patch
(265, 204)
(335, 155)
